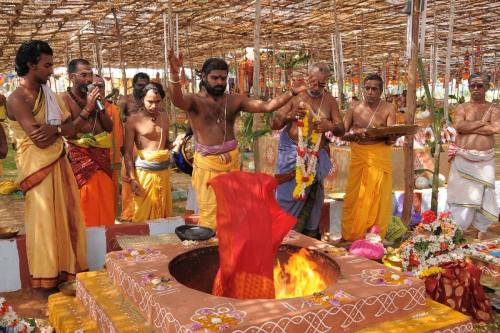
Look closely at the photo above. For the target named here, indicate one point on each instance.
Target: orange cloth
(128, 206)
(96, 198)
(250, 229)
(116, 146)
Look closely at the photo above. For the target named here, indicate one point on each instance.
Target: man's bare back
(475, 124)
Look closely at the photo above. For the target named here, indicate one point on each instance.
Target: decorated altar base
(366, 297)
(367, 293)
(115, 314)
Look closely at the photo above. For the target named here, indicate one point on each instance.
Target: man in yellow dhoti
(368, 199)
(212, 115)
(55, 233)
(129, 105)
(149, 175)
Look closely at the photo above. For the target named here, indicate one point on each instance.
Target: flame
(298, 277)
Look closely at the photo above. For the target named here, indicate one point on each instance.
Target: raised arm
(282, 117)
(464, 126)
(178, 98)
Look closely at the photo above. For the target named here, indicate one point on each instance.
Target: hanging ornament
(466, 72)
(477, 59)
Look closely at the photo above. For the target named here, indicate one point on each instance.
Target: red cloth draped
(86, 161)
(458, 287)
(250, 228)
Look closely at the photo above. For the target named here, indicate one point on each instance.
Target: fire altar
(170, 286)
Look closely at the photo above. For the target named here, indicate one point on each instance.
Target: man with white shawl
(471, 185)
(55, 233)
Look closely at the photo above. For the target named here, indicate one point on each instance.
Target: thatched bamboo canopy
(373, 31)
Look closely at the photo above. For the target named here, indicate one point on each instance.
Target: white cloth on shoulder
(53, 112)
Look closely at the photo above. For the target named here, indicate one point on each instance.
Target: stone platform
(367, 293)
(95, 289)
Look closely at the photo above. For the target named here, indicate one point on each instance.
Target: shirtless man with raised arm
(212, 115)
(307, 206)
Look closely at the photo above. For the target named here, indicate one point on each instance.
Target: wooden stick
(340, 65)
(193, 74)
(120, 50)
(256, 51)
(80, 46)
(273, 41)
(448, 55)
(423, 26)
(434, 57)
(97, 50)
(410, 115)
(165, 52)
(177, 34)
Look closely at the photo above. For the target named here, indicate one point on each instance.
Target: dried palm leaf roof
(373, 31)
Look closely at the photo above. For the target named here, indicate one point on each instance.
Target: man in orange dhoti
(55, 233)
(116, 138)
(368, 199)
(89, 151)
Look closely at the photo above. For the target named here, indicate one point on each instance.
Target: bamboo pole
(80, 50)
(110, 74)
(423, 26)
(448, 55)
(273, 42)
(338, 42)
(165, 52)
(177, 34)
(193, 78)
(97, 50)
(172, 109)
(410, 114)
(120, 50)
(256, 50)
(434, 57)
(360, 67)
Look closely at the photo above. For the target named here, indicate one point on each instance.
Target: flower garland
(435, 242)
(307, 155)
(11, 321)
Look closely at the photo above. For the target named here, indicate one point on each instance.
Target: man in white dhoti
(471, 184)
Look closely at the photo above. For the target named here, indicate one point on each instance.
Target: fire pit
(197, 268)
(171, 285)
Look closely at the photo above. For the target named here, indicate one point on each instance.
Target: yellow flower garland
(300, 169)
